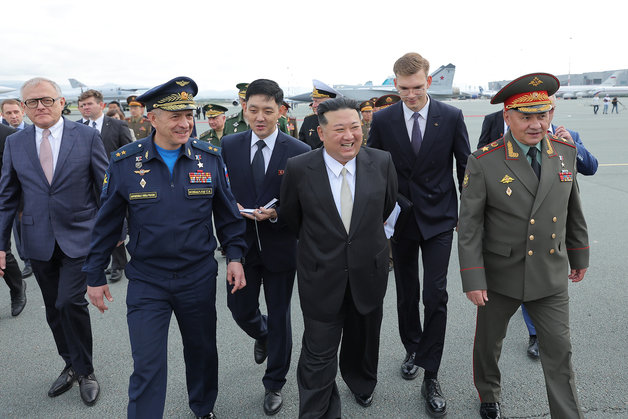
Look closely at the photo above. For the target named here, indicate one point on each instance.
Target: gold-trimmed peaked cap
(529, 93)
(321, 90)
(242, 89)
(132, 101)
(387, 100)
(174, 95)
(366, 106)
(212, 110)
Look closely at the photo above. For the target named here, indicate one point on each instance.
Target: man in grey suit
(57, 166)
(115, 134)
(521, 228)
(336, 198)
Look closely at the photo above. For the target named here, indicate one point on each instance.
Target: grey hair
(36, 81)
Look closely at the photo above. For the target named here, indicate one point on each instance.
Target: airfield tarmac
(599, 328)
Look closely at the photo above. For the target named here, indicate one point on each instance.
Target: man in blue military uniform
(164, 177)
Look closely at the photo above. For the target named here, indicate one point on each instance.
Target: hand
(235, 276)
(244, 214)
(3, 262)
(478, 297)
(563, 133)
(95, 295)
(262, 214)
(577, 275)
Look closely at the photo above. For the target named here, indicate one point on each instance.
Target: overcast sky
(221, 43)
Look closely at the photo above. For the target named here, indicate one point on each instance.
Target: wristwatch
(239, 260)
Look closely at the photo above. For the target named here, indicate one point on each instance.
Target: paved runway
(599, 328)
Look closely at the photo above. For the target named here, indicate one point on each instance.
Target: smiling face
(262, 113)
(43, 116)
(342, 134)
(527, 128)
(172, 129)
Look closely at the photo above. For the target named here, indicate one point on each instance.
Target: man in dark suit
(115, 134)
(256, 172)
(57, 166)
(521, 229)
(336, 199)
(12, 274)
(423, 136)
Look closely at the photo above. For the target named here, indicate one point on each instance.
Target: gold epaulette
(489, 148)
(562, 140)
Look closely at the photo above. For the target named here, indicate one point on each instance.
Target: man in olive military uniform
(366, 109)
(521, 228)
(216, 115)
(137, 122)
(164, 177)
(309, 128)
(286, 123)
(237, 122)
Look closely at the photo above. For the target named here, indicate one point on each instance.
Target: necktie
(86, 122)
(416, 134)
(258, 166)
(45, 155)
(94, 125)
(536, 166)
(346, 201)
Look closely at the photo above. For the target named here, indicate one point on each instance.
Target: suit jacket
(517, 234)
(493, 129)
(64, 211)
(327, 257)
(278, 243)
(115, 134)
(426, 179)
(5, 131)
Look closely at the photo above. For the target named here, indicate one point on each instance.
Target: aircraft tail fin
(443, 80)
(612, 80)
(76, 84)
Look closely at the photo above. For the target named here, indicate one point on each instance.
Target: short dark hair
(267, 88)
(91, 93)
(336, 104)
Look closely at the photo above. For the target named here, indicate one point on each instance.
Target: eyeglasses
(404, 91)
(46, 101)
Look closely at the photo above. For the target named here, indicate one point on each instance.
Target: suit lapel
(549, 169)
(244, 160)
(363, 172)
(398, 122)
(31, 151)
(518, 163)
(322, 189)
(432, 125)
(276, 158)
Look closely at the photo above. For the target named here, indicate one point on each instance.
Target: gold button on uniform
(531, 237)
(554, 219)
(532, 221)
(530, 252)
(553, 235)
(552, 251)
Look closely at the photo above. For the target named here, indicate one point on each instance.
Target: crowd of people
(332, 203)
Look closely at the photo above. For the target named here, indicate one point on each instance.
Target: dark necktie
(258, 166)
(416, 134)
(536, 166)
(86, 122)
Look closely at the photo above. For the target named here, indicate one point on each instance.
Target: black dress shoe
(260, 351)
(89, 389)
(209, 416)
(19, 301)
(409, 371)
(364, 400)
(116, 275)
(272, 402)
(63, 383)
(27, 271)
(533, 347)
(435, 403)
(490, 411)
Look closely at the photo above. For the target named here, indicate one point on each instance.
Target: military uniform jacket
(169, 216)
(309, 131)
(141, 127)
(517, 236)
(235, 123)
(211, 137)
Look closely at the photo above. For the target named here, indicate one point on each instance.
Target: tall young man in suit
(521, 229)
(423, 136)
(256, 160)
(336, 198)
(115, 134)
(57, 166)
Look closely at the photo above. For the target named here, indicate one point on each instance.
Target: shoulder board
(208, 147)
(489, 148)
(204, 135)
(128, 150)
(233, 116)
(561, 140)
(283, 117)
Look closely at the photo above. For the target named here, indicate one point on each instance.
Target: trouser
(551, 318)
(63, 286)
(13, 276)
(151, 300)
(427, 340)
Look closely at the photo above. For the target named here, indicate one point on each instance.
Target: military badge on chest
(564, 175)
(140, 171)
(200, 177)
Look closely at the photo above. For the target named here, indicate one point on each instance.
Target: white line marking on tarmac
(613, 164)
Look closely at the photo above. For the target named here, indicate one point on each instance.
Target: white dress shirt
(56, 133)
(266, 151)
(99, 122)
(334, 167)
(407, 115)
